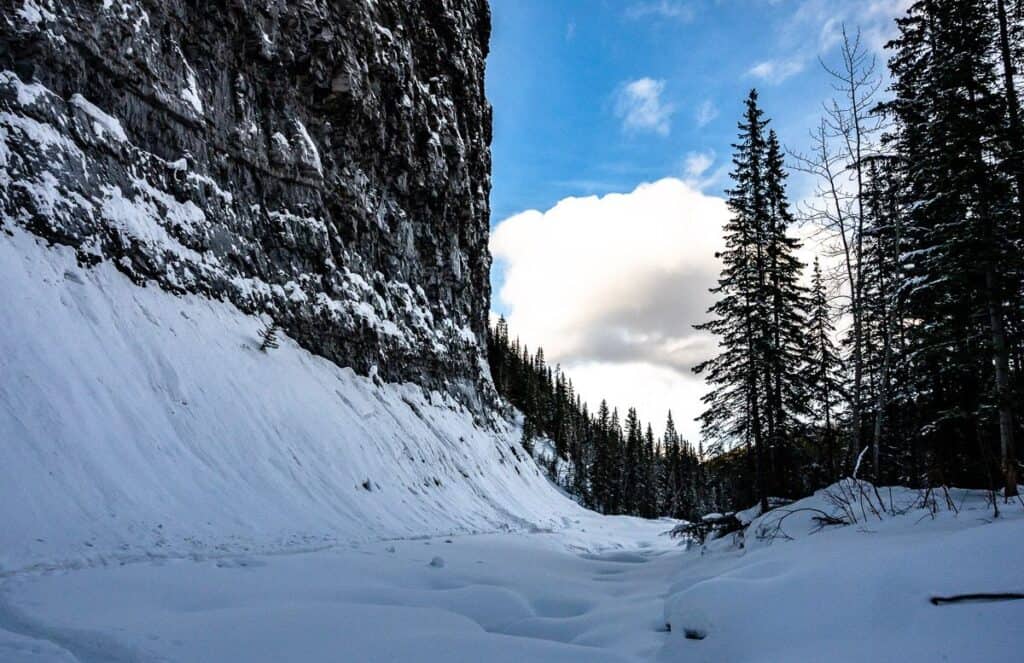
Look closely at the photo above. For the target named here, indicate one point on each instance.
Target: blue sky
(556, 66)
(595, 97)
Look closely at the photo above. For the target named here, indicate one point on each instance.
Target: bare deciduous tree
(841, 148)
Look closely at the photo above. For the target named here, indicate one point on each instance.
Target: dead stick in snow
(976, 598)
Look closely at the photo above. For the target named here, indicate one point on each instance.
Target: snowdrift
(800, 591)
(136, 423)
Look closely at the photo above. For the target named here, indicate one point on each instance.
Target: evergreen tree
(758, 391)
(649, 468)
(950, 116)
(786, 344)
(735, 403)
(602, 473)
(268, 337)
(883, 323)
(671, 477)
(632, 475)
(824, 379)
(616, 474)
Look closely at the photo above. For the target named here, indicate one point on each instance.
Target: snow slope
(135, 423)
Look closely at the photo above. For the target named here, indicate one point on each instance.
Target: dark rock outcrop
(325, 162)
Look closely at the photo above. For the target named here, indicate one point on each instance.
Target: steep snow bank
(135, 423)
(861, 592)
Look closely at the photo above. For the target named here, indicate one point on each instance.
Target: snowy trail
(592, 594)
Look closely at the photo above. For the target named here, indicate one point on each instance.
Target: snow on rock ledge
(138, 423)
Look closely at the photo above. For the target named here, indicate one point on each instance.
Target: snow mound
(137, 424)
(799, 587)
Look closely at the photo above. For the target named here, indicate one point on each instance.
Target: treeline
(899, 356)
(611, 464)
(921, 204)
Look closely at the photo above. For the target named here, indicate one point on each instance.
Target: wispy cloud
(776, 71)
(696, 163)
(640, 107)
(589, 186)
(698, 173)
(662, 9)
(706, 113)
(814, 30)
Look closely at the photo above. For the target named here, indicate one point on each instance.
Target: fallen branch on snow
(976, 598)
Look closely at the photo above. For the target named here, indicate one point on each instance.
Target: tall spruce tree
(671, 488)
(735, 404)
(785, 349)
(759, 392)
(883, 323)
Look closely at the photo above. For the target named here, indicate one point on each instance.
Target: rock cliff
(325, 163)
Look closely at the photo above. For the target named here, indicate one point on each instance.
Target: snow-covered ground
(598, 591)
(493, 597)
(169, 493)
(861, 592)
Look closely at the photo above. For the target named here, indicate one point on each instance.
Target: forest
(897, 356)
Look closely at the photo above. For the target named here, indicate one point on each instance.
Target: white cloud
(706, 113)
(697, 171)
(664, 9)
(652, 389)
(696, 163)
(611, 287)
(640, 107)
(776, 71)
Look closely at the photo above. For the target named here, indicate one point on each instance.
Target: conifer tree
(671, 479)
(268, 337)
(950, 117)
(883, 319)
(735, 403)
(602, 474)
(824, 378)
(616, 503)
(786, 344)
(649, 468)
(757, 389)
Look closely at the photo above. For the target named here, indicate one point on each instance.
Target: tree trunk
(762, 491)
(883, 403)
(1016, 135)
(1008, 451)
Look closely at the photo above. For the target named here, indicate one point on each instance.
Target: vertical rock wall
(325, 162)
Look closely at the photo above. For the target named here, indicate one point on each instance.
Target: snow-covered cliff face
(323, 161)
